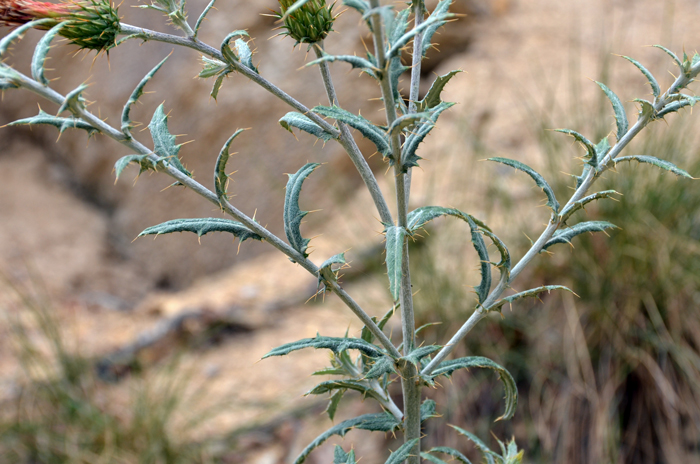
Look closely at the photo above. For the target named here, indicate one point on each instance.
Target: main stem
(409, 374)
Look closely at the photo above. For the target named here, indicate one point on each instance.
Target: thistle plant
(371, 363)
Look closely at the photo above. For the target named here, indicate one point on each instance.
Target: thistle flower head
(92, 24)
(309, 24)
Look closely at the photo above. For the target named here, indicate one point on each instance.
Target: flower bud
(309, 24)
(92, 24)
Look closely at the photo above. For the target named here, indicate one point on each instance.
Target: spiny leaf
(659, 163)
(383, 422)
(326, 271)
(220, 176)
(428, 410)
(212, 67)
(655, 89)
(587, 144)
(40, 52)
(482, 290)
(396, 69)
(419, 353)
(360, 5)
(61, 123)
(17, 33)
(6, 84)
(620, 115)
(438, 18)
(302, 122)
(245, 54)
(407, 121)
(292, 214)
(447, 368)
(164, 142)
(344, 384)
(408, 152)
(580, 204)
(395, 236)
(226, 50)
(335, 344)
(671, 54)
(647, 110)
(565, 235)
(366, 128)
(202, 226)
(432, 98)
(135, 95)
(74, 100)
(505, 263)
(675, 106)
(451, 452)
(355, 61)
(401, 454)
(532, 293)
(217, 86)
(420, 216)
(380, 367)
(202, 16)
(142, 160)
(367, 334)
(341, 457)
(539, 180)
(430, 31)
(479, 444)
(431, 458)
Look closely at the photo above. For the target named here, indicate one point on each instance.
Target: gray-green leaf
(382, 422)
(40, 52)
(198, 24)
(142, 160)
(409, 158)
(447, 368)
(335, 344)
(565, 235)
(202, 226)
(659, 163)
(401, 454)
(135, 95)
(480, 445)
(432, 98)
(302, 122)
(587, 144)
(655, 89)
(620, 115)
(341, 457)
(245, 54)
(220, 176)
(532, 293)
(164, 142)
(539, 180)
(451, 452)
(61, 123)
(366, 128)
(292, 214)
(6, 41)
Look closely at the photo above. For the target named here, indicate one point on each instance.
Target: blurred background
(122, 351)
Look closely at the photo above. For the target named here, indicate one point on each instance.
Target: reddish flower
(93, 24)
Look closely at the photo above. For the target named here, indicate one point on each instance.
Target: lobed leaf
(202, 16)
(432, 98)
(587, 144)
(73, 100)
(565, 235)
(505, 264)
(202, 226)
(430, 31)
(401, 454)
(6, 41)
(480, 445)
(142, 160)
(292, 214)
(659, 163)
(580, 204)
(344, 384)
(135, 95)
(341, 457)
(396, 25)
(408, 152)
(532, 293)
(539, 180)
(213, 67)
(395, 237)
(419, 353)
(437, 19)
(447, 368)
(671, 54)
(382, 422)
(366, 128)
(217, 86)
(655, 89)
(164, 142)
(60, 123)
(407, 121)
(245, 54)
(380, 367)
(326, 271)
(225, 48)
(220, 176)
(451, 452)
(304, 123)
(40, 52)
(335, 344)
(428, 409)
(620, 115)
